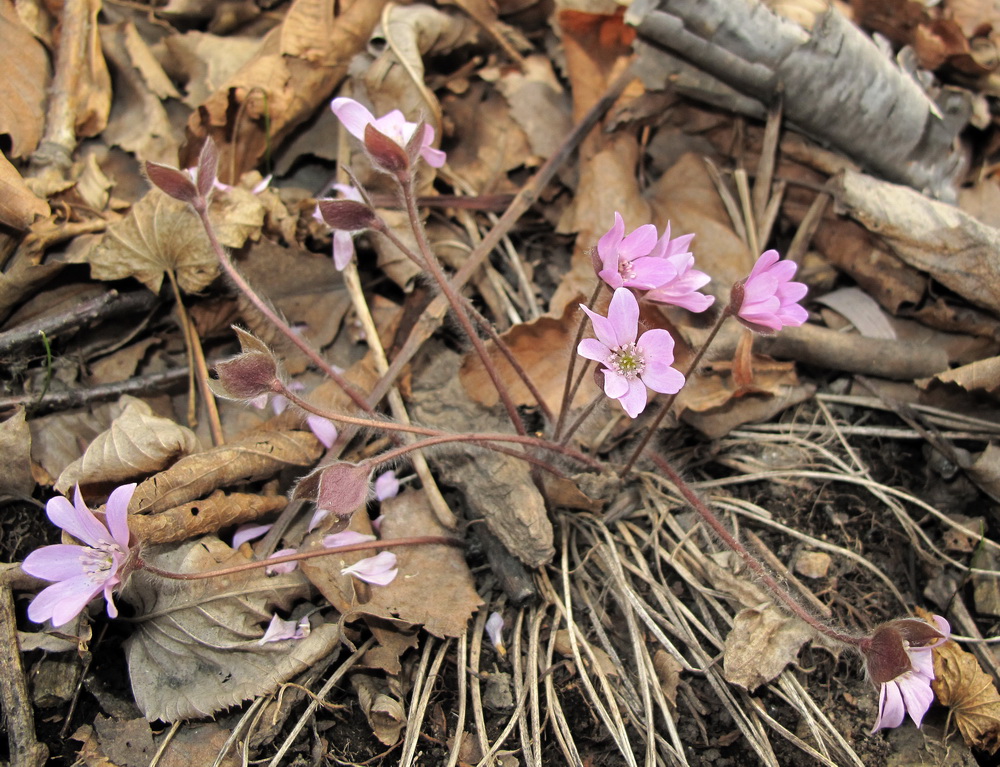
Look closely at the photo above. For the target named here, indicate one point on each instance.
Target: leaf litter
(613, 658)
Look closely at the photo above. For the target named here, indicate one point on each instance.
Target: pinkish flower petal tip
(379, 570)
(630, 365)
(281, 567)
(494, 630)
(280, 630)
(346, 538)
(249, 532)
(767, 300)
(355, 118)
(899, 660)
(386, 486)
(81, 573)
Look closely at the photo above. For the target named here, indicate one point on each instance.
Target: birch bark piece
(837, 86)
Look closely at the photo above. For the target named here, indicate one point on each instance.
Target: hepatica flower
(630, 365)
(767, 300)
(393, 125)
(343, 239)
(81, 572)
(626, 260)
(899, 659)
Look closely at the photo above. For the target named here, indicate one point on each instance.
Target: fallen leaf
(385, 714)
(16, 480)
(201, 517)
(761, 643)
(979, 376)
(23, 94)
(136, 444)
(195, 649)
(19, 206)
(971, 694)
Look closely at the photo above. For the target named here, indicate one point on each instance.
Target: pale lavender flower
(379, 570)
(626, 260)
(630, 365)
(345, 538)
(767, 300)
(81, 572)
(494, 630)
(386, 486)
(899, 659)
(249, 532)
(355, 117)
(682, 288)
(281, 567)
(280, 630)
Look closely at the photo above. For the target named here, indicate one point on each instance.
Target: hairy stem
(569, 388)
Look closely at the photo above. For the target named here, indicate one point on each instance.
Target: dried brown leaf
(161, 234)
(761, 643)
(970, 693)
(26, 78)
(16, 480)
(195, 649)
(136, 444)
(260, 455)
(385, 714)
(19, 206)
(208, 515)
(979, 376)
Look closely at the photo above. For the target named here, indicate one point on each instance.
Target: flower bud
(171, 181)
(208, 167)
(347, 215)
(385, 153)
(249, 374)
(886, 651)
(340, 489)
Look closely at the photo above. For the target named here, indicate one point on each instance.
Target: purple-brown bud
(385, 153)
(348, 215)
(171, 181)
(249, 374)
(885, 651)
(340, 489)
(208, 167)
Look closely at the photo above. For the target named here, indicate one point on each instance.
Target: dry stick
(435, 312)
(669, 401)
(79, 397)
(749, 559)
(200, 206)
(25, 750)
(520, 439)
(406, 183)
(568, 391)
(421, 540)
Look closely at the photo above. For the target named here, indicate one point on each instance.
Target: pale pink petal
(386, 486)
(281, 567)
(343, 249)
(353, 116)
(348, 192)
(603, 328)
(593, 349)
(63, 601)
(634, 400)
(318, 516)
(346, 538)
(249, 532)
(56, 563)
(279, 403)
(280, 630)
(656, 345)
(917, 695)
(767, 259)
(890, 707)
(623, 314)
(637, 242)
(379, 570)
(612, 275)
(615, 384)
(323, 428)
(116, 514)
(433, 157)
(662, 378)
(77, 520)
(494, 630)
(607, 245)
(651, 273)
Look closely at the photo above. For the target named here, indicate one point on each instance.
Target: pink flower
(249, 532)
(386, 486)
(343, 239)
(81, 572)
(899, 659)
(626, 260)
(281, 567)
(393, 125)
(279, 630)
(767, 300)
(379, 570)
(682, 288)
(629, 365)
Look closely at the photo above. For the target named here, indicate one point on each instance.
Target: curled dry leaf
(970, 693)
(258, 456)
(208, 515)
(161, 234)
(195, 650)
(136, 444)
(385, 714)
(22, 94)
(762, 642)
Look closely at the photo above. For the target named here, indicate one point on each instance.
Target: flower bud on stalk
(249, 374)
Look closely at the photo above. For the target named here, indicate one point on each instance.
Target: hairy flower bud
(347, 214)
(340, 489)
(250, 373)
(208, 167)
(171, 181)
(385, 153)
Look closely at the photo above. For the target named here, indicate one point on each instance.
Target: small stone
(812, 564)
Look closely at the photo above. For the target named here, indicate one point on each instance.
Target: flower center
(627, 360)
(626, 270)
(97, 561)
